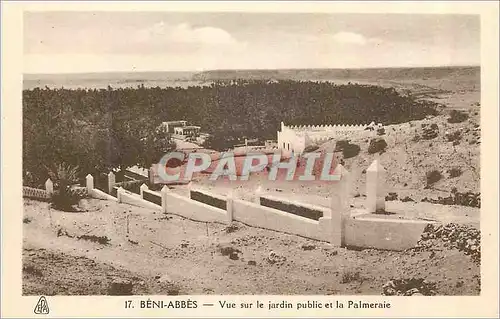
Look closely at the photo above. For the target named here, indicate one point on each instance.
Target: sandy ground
(167, 254)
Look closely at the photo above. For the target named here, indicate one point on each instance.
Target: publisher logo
(42, 307)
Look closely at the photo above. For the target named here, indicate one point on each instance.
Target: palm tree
(64, 176)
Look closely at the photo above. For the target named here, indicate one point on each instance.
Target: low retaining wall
(390, 234)
(35, 193)
(195, 210)
(99, 194)
(136, 200)
(152, 196)
(293, 207)
(131, 185)
(270, 218)
(208, 198)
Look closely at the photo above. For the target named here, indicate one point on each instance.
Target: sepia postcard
(249, 159)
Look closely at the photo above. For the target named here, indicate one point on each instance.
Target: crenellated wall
(297, 137)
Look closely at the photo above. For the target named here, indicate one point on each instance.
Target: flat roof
(173, 122)
(187, 127)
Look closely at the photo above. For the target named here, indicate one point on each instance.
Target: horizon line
(265, 69)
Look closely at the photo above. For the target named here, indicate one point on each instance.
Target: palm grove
(95, 130)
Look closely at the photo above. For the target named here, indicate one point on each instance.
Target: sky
(83, 42)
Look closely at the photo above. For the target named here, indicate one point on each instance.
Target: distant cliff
(370, 74)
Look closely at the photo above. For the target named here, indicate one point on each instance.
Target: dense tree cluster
(97, 129)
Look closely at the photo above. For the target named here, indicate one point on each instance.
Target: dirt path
(206, 258)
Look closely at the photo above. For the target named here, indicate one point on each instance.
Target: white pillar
(49, 186)
(119, 193)
(89, 179)
(151, 174)
(339, 205)
(375, 187)
(229, 206)
(335, 218)
(143, 188)
(258, 193)
(111, 181)
(189, 188)
(164, 191)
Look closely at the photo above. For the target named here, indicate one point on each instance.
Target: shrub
(391, 197)
(430, 132)
(103, 240)
(30, 269)
(433, 177)
(231, 228)
(63, 198)
(339, 146)
(350, 150)
(311, 148)
(350, 276)
(377, 145)
(455, 172)
(407, 199)
(457, 116)
(455, 136)
(219, 141)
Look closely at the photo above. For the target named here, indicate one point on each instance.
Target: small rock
(165, 279)
(233, 256)
(308, 247)
(390, 292)
(333, 253)
(412, 291)
(389, 284)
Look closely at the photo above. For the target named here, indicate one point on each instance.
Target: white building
(297, 138)
(169, 126)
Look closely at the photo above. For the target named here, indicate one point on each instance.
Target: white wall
(192, 209)
(390, 234)
(269, 218)
(136, 200)
(97, 193)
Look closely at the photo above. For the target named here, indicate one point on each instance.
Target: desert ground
(89, 253)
